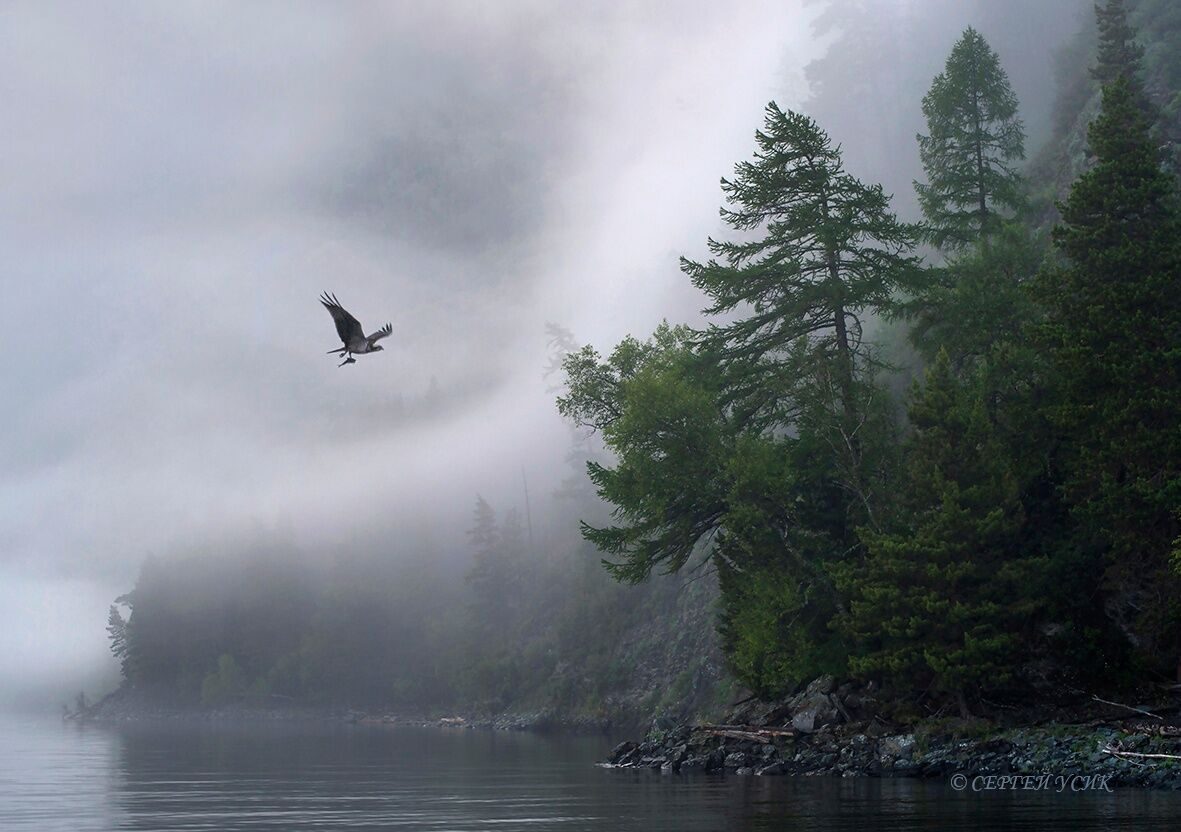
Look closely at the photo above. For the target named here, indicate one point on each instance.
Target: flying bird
(356, 342)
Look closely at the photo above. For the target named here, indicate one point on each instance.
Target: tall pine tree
(1113, 332)
(974, 142)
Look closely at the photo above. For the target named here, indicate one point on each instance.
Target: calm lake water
(322, 777)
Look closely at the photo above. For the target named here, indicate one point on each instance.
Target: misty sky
(182, 180)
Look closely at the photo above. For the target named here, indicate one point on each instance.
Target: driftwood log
(748, 733)
(1115, 752)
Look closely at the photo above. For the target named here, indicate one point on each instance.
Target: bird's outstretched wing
(382, 333)
(347, 327)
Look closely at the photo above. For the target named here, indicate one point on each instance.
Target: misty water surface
(300, 777)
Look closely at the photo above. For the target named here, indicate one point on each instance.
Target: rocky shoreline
(1059, 752)
(823, 732)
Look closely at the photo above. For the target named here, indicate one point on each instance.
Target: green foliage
(818, 250)
(1113, 315)
(942, 600)
(1117, 55)
(978, 300)
(974, 142)
(688, 482)
(786, 520)
(761, 443)
(657, 408)
(772, 632)
(1154, 24)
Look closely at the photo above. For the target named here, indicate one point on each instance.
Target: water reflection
(283, 777)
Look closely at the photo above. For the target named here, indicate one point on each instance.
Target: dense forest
(942, 453)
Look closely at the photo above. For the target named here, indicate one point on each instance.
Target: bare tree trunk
(962, 702)
(980, 169)
(844, 351)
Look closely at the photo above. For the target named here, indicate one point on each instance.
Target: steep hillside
(1064, 155)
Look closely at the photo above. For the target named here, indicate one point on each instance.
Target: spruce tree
(942, 599)
(975, 140)
(1117, 54)
(1113, 333)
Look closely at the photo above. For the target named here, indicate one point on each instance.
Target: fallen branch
(1115, 752)
(1128, 708)
(752, 729)
(745, 736)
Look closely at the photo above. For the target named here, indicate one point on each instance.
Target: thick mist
(867, 89)
(182, 182)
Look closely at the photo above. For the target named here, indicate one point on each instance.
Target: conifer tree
(978, 300)
(1113, 333)
(975, 140)
(1119, 56)
(942, 599)
(120, 645)
(818, 251)
(761, 442)
(484, 533)
(827, 251)
(487, 575)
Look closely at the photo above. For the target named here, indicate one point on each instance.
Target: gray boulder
(814, 708)
(898, 747)
(735, 760)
